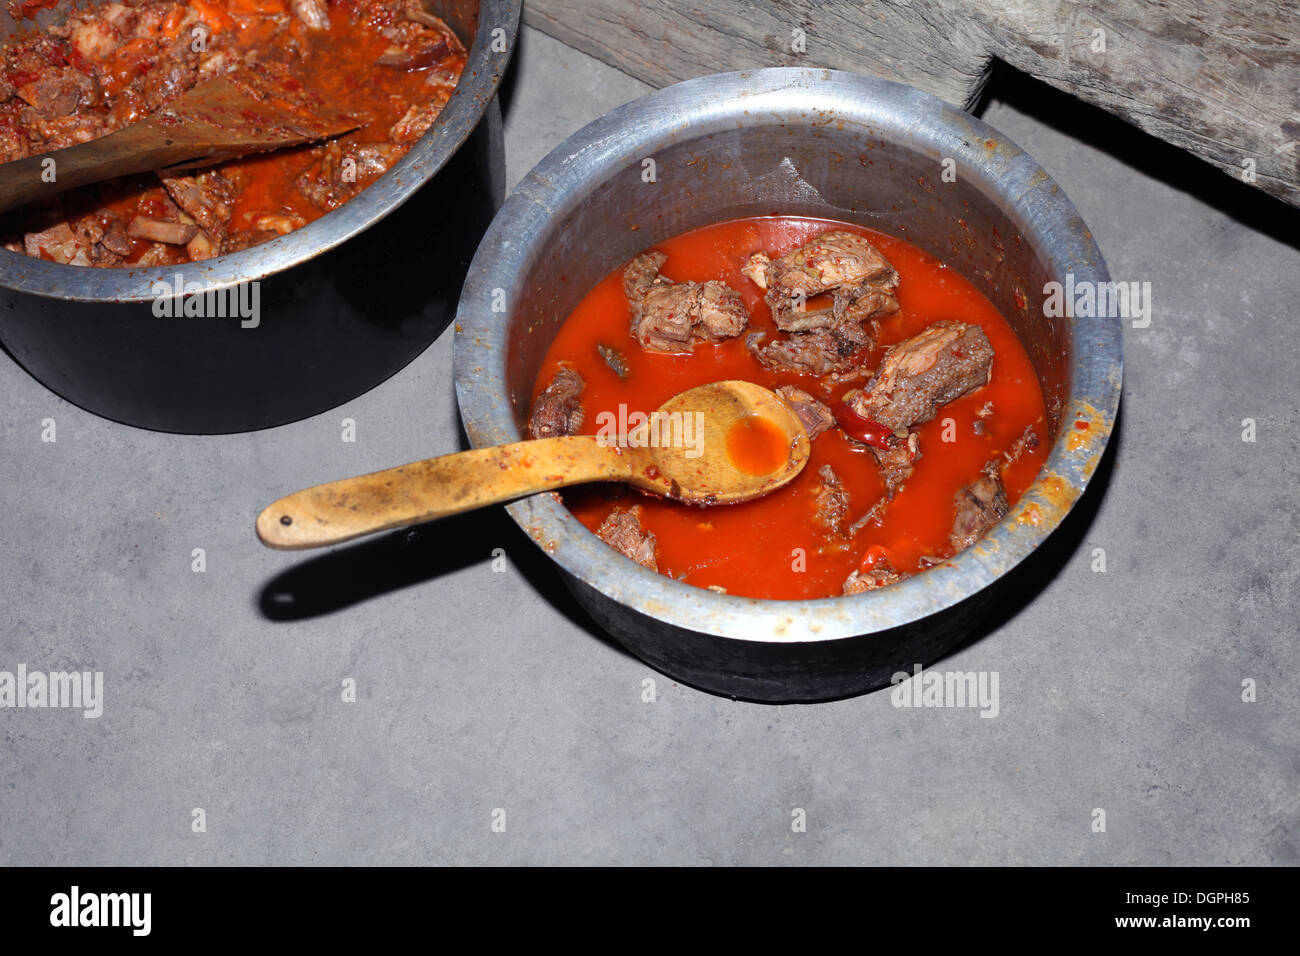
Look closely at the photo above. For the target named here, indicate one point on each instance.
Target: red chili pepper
(861, 428)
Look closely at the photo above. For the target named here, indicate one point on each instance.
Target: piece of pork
(557, 410)
(815, 416)
(722, 312)
(943, 362)
(622, 531)
(58, 92)
(344, 170)
(881, 575)
(860, 280)
(207, 197)
(58, 243)
(818, 352)
(977, 508)
(671, 316)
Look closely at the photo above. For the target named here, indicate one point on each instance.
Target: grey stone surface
(480, 690)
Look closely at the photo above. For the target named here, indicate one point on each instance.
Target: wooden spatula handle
(133, 149)
(435, 488)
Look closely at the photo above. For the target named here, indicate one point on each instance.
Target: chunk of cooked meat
(819, 352)
(671, 316)
(173, 73)
(877, 571)
(622, 531)
(722, 312)
(860, 280)
(206, 197)
(417, 120)
(977, 508)
(557, 410)
(114, 238)
(815, 416)
(58, 92)
(344, 170)
(642, 274)
(943, 362)
(665, 319)
(895, 462)
(418, 40)
(830, 503)
(861, 581)
(93, 39)
(59, 244)
(13, 143)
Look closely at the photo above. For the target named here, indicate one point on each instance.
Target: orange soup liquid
(771, 547)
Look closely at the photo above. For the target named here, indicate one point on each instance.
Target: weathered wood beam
(1220, 79)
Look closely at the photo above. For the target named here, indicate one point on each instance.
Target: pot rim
(479, 83)
(1046, 219)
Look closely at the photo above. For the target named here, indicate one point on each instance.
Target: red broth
(771, 547)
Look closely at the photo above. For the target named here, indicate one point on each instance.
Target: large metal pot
(339, 312)
(806, 142)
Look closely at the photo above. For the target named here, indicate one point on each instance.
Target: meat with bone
(671, 316)
(418, 40)
(344, 170)
(206, 197)
(943, 362)
(818, 352)
(417, 120)
(861, 282)
(161, 230)
(622, 531)
(557, 410)
(815, 416)
(978, 507)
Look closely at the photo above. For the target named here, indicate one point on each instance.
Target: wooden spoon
(215, 121)
(717, 444)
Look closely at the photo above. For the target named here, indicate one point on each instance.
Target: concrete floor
(479, 691)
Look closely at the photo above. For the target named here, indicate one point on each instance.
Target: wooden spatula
(215, 121)
(716, 444)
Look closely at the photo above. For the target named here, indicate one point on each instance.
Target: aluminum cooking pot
(343, 303)
(810, 143)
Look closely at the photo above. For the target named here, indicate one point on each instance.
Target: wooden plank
(1218, 78)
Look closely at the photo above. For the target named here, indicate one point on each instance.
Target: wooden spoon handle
(437, 487)
(134, 149)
